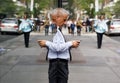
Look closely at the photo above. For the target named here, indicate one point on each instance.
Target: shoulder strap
(47, 54)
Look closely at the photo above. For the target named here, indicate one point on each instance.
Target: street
(115, 37)
(89, 64)
(7, 37)
(28, 65)
(13, 35)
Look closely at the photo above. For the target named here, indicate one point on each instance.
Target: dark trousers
(69, 31)
(58, 71)
(78, 30)
(46, 29)
(26, 38)
(72, 30)
(99, 39)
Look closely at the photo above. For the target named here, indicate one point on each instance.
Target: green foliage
(41, 5)
(117, 8)
(21, 11)
(7, 6)
(107, 12)
(85, 5)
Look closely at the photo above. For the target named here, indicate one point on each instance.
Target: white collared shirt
(100, 26)
(26, 25)
(58, 48)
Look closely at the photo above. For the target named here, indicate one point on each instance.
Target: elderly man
(59, 53)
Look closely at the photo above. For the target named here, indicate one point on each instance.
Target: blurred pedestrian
(84, 27)
(72, 26)
(109, 23)
(54, 27)
(100, 28)
(37, 24)
(68, 23)
(88, 25)
(46, 26)
(79, 26)
(59, 49)
(26, 27)
(19, 21)
(92, 27)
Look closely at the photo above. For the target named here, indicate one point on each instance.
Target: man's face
(59, 20)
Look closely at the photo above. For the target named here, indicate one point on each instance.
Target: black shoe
(99, 47)
(26, 46)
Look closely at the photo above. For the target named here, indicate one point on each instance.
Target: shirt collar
(58, 37)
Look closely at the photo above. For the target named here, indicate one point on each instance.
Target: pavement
(89, 64)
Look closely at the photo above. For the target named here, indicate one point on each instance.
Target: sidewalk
(89, 64)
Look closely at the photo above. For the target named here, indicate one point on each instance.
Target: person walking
(100, 28)
(84, 29)
(73, 26)
(68, 23)
(88, 25)
(37, 24)
(109, 23)
(79, 26)
(59, 49)
(46, 25)
(26, 28)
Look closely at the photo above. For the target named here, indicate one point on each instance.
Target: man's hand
(19, 31)
(75, 43)
(42, 43)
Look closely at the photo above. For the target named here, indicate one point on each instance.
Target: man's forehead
(59, 12)
(61, 16)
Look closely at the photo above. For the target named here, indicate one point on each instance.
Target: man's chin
(59, 25)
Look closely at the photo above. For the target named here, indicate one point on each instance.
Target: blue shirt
(26, 25)
(100, 26)
(58, 48)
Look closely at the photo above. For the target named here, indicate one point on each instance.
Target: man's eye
(64, 19)
(53, 19)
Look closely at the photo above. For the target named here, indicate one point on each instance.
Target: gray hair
(59, 11)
